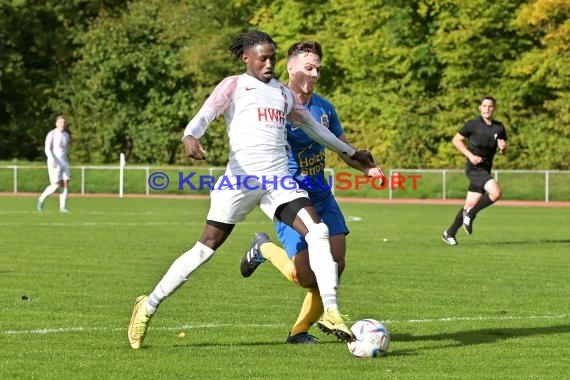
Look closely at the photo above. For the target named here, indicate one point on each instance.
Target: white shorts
(61, 172)
(233, 197)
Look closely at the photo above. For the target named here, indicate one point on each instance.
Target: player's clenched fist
(193, 148)
(364, 157)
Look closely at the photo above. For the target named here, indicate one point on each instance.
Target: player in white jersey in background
(56, 146)
(256, 107)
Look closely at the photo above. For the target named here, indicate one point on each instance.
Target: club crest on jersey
(325, 120)
(495, 136)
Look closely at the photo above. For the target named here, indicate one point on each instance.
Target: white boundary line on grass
(482, 318)
(181, 327)
(105, 224)
(225, 325)
(112, 224)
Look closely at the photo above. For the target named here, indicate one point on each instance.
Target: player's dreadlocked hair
(247, 40)
(305, 47)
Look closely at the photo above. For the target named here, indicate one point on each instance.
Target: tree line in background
(404, 75)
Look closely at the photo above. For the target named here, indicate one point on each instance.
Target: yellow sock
(279, 259)
(310, 312)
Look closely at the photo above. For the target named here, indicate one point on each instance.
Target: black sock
(485, 201)
(458, 222)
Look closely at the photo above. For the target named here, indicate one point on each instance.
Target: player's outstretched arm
(302, 118)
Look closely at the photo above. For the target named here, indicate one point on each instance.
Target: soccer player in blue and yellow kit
(306, 165)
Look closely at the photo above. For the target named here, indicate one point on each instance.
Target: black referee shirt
(482, 139)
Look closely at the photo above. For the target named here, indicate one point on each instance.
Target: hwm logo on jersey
(270, 114)
(325, 120)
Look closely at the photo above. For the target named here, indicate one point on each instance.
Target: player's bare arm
(502, 145)
(193, 148)
(460, 145)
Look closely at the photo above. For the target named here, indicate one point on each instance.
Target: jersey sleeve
(467, 129)
(216, 104)
(503, 133)
(301, 117)
(48, 146)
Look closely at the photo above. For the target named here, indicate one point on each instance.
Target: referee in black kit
(484, 135)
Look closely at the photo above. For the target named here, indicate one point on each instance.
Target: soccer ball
(372, 339)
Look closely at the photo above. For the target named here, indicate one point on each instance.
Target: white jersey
(256, 113)
(56, 145)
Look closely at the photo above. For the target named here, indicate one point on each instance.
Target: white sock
(47, 192)
(62, 198)
(178, 273)
(323, 265)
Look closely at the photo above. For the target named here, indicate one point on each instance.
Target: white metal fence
(17, 170)
(148, 170)
(496, 174)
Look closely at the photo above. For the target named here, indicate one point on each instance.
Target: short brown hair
(306, 47)
(488, 97)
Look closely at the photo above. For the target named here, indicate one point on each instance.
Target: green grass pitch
(497, 306)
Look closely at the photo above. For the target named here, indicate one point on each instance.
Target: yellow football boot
(332, 323)
(139, 323)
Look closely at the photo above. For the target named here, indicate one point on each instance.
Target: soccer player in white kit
(256, 107)
(56, 146)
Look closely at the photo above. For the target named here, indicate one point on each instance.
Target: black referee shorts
(478, 177)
